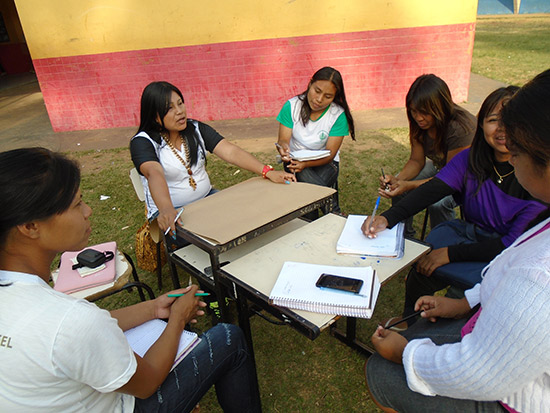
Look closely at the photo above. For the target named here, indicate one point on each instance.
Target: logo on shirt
(323, 135)
(5, 341)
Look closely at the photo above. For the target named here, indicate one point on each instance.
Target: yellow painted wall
(56, 28)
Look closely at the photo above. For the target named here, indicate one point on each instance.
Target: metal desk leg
(244, 324)
(219, 289)
(349, 336)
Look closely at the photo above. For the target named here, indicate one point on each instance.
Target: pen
(387, 188)
(374, 211)
(196, 295)
(175, 220)
(416, 313)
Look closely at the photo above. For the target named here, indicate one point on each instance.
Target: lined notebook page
(388, 243)
(142, 337)
(295, 288)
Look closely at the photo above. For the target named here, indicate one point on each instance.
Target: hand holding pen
(384, 184)
(284, 151)
(175, 222)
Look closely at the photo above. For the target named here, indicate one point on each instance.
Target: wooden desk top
(237, 210)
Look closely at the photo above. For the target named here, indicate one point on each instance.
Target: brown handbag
(146, 247)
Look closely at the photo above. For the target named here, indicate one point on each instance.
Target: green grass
(296, 374)
(512, 48)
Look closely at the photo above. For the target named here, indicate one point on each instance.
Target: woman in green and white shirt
(318, 118)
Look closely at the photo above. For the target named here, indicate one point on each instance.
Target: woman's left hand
(280, 177)
(389, 344)
(296, 166)
(431, 262)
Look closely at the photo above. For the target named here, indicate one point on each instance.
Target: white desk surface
(314, 243)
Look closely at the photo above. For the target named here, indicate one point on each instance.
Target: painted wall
(239, 58)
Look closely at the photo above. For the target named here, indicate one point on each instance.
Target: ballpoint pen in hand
(387, 187)
(416, 313)
(374, 211)
(175, 220)
(196, 295)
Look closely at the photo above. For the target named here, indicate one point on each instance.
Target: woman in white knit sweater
(498, 359)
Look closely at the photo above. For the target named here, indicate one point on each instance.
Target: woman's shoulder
(463, 121)
(335, 109)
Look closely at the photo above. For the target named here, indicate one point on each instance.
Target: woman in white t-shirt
(169, 151)
(63, 354)
(318, 118)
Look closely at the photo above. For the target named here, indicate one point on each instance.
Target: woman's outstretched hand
(280, 177)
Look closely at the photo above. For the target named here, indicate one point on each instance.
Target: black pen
(416, 313)
(384, 176)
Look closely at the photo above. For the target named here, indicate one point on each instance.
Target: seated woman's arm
(154, 367)
(154, 173)
(231, 153)
(403, 182)
(499, 357)
(415, 201)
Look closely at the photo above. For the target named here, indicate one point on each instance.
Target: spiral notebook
(295, 288)
(142, 337)
(389, 243)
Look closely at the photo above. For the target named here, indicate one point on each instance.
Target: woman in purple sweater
(496, 209)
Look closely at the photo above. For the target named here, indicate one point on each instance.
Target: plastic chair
(153, 228)
(124, 269)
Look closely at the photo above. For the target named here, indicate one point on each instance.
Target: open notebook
(142, 337)
(388, 243)
(295, 288)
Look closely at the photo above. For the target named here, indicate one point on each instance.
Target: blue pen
(374, 211)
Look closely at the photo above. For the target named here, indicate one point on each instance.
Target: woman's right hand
(437, 306)
(166, 220)
(187, 308)
(392, 186)
(284, 151)
(379, 223)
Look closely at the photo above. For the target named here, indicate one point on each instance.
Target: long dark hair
(526, 119)
(334, 76)
(155, 103)
(482, 156)
(430, 94)
(35, 184)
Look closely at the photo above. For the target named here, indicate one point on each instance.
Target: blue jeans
(324, 175)
(387, 381)
(440, 211)
(462, 275)
(220, 359)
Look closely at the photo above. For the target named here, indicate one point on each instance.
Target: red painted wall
(253, 78)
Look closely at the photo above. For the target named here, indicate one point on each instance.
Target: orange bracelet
(266, 169)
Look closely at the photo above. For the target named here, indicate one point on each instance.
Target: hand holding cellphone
(337, 282)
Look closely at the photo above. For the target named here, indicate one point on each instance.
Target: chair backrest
(138, 185)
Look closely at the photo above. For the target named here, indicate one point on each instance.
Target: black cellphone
(337, 282)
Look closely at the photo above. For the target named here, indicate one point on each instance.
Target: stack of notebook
(295, 288)
(309, 155)
(388, 243)
(69, 281)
